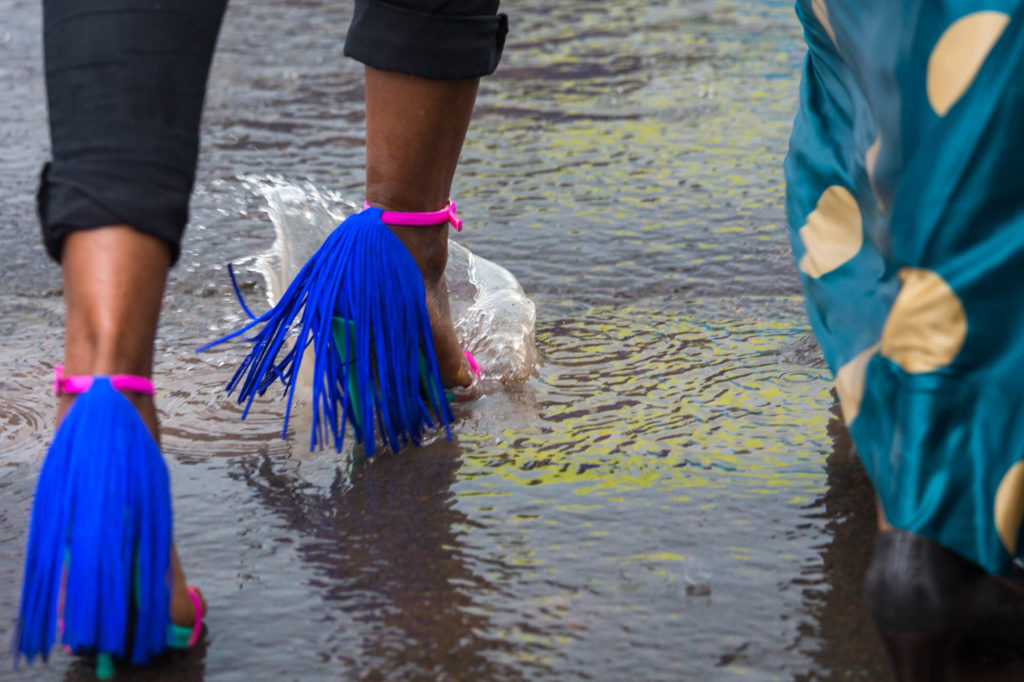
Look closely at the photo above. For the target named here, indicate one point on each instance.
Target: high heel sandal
(98, 558)
(360, 302)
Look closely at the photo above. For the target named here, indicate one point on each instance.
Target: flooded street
(671, 496)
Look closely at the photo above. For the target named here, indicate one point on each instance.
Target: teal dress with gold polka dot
(905, 195)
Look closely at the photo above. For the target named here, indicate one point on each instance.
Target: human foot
(182, 609)
(920, 596)
(428, 245)
(925, 600)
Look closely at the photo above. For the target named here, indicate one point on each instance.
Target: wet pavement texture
(670, 497)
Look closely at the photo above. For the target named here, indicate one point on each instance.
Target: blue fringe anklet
(100, 536)
(360, 302)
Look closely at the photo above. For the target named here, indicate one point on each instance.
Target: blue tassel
(360, 302)
(101, 522)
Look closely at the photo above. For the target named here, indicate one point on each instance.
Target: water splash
(493, 317)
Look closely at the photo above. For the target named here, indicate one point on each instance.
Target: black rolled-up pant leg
(125, 82)
(438, 39)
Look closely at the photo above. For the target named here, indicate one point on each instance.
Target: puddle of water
(668, 498)
(580, 525)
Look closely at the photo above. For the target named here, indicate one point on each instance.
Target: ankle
(98, 365)
(401, 197)
(428, 245)
(92, 349)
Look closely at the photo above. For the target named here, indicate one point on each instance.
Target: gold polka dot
(958, 56)
(927, 325)
(833, 233)
(850, 383)
(1009, 507)
(820, 10)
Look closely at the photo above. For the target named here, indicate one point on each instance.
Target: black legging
(126, 79)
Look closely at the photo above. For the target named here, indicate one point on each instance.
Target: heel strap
(446, 214)
(74, 385)
(187, 636)
(197, 624)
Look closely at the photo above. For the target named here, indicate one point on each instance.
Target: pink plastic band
(445, 215)
(474, 366)
(74, 385)
(460, 394)
(197, 624)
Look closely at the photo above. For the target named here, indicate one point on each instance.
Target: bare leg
(883, 523)
(113, 286)
(415, 128)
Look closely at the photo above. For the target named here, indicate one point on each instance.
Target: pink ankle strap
(74, 385)
(446, 214)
